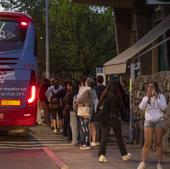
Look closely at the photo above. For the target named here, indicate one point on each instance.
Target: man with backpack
(55, 104)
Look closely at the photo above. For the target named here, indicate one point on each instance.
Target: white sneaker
(84, 147)
(93, 144)
(159, 166)
(97, 143)
(61, 130)
(141, 165)
(126, 157)
(55, 130)
(74, 143)
(103, 159)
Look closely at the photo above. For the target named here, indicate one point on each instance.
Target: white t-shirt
(52, 89)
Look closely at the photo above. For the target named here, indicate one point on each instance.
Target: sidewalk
(88, 159)
(73, 158)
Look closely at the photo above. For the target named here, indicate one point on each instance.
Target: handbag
(83, 111)
(100, 115)
(54, 101)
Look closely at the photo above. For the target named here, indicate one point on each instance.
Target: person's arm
(106, 106)
(144, 103)
(82, 97)
(75, 103)
(146, 98)
(161, 100)
(95, 100)
(48, 94)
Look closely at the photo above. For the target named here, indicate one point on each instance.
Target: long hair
(83, 80)
(90, 82)
(75, 86)
(112, 89)
(156, 86)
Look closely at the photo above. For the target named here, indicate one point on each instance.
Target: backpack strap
(52, 93)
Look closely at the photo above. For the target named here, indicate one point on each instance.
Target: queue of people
(77, 103)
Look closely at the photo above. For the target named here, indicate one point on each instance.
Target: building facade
(143, 40)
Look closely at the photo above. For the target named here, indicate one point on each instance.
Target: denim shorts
(158, 124)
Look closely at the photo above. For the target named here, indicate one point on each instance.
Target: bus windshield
(12, 35)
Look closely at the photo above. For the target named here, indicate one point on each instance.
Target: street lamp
(47, 39)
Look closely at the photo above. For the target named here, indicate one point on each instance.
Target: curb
(60, 164)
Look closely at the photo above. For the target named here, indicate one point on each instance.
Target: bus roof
(16, 16)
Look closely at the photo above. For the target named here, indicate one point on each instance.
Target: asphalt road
(25, 159)
(30, 152)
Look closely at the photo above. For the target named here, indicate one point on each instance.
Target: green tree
(81, 36)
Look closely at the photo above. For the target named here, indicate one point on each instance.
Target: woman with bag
(84, 102)
(154, 104)
(111, 119)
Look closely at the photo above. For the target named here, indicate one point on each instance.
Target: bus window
(12, 35)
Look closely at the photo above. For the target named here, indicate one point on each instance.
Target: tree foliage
(81, 37)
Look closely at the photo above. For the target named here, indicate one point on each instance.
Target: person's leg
(54, 121)
(116, 125)
(103, 143)
(46, 112)
(159, 132)
(74, 128)
(39, 109)
(93, 133)
(148, 137)
(98, 132)
(141, 126)
(43, 115)
(86, 131)
(80, 131)
(148, 133)
(51, 120)
(47, 109)
(60, 119)
(69, 133)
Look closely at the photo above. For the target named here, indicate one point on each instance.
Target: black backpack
(54, 101)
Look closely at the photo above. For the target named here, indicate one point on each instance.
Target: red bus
(18, 65)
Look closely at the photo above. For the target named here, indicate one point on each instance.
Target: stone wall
(139, 90)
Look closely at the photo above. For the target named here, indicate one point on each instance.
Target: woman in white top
(83, 100)
(154, 104)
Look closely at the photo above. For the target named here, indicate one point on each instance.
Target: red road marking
(55, 158)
